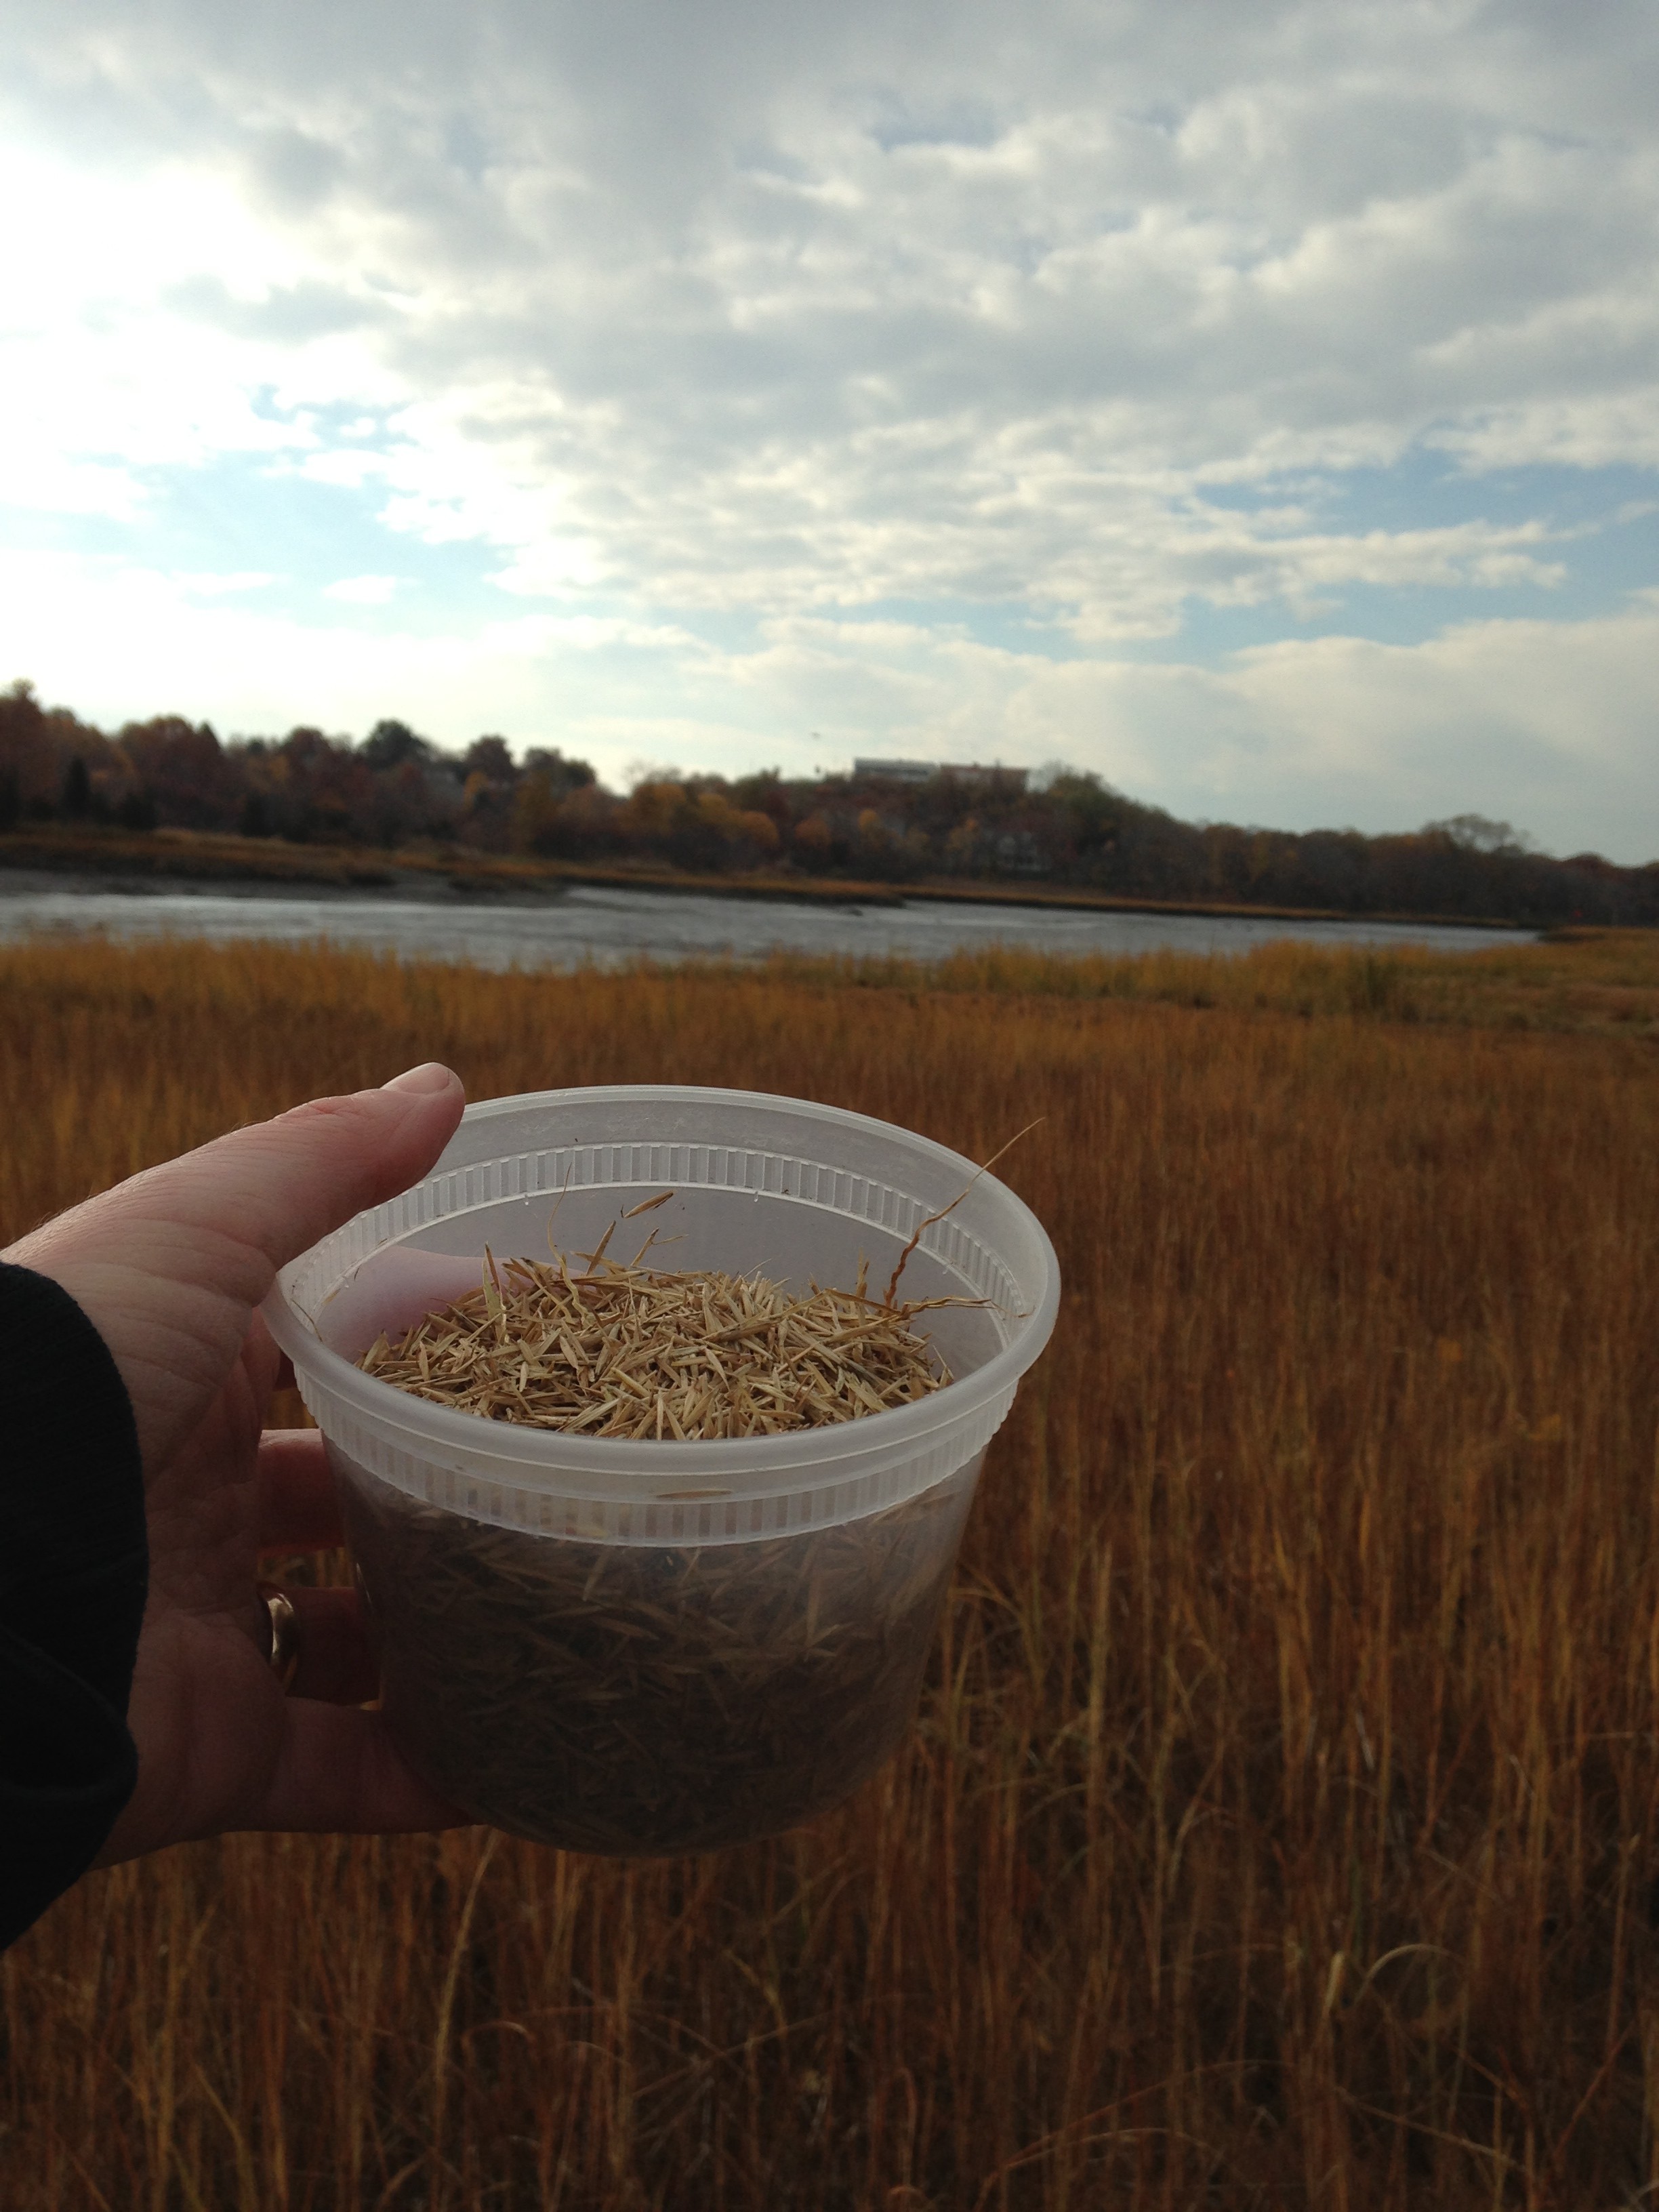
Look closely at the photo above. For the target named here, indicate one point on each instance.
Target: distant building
(974, 775)
(896, 771)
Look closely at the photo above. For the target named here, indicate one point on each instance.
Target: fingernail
(431, 1075)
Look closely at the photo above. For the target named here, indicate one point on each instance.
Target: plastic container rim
(427, 1426)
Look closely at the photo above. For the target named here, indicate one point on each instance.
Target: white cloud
(770, 313)
(363, 591)
(215, 584)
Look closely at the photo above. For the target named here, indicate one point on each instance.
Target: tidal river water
(612, 928)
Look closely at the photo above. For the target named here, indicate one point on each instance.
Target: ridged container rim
(549, 1462)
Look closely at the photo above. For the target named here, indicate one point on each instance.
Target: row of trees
(397, 789)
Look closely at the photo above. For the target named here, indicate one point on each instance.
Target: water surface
(609, 928)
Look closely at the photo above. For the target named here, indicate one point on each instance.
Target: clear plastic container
(643, 1648)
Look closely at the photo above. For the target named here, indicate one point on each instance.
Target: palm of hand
(170, 1268)
(206, 1708)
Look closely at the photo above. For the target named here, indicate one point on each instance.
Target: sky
(1256, 405)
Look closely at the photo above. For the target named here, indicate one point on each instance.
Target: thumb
(277, 1186)
(170, 1265)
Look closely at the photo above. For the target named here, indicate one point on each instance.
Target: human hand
(170, 1267)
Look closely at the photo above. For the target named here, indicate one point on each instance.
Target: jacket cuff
(67, 1767)
(74, 1569)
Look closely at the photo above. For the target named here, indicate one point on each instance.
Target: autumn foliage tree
(398, 788)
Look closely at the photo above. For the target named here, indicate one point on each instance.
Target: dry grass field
(1282, 1827)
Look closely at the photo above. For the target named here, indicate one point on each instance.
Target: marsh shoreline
(180, 864)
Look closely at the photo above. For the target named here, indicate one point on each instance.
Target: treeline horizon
(396, 789)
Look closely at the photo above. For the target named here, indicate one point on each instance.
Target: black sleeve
(74, 1569)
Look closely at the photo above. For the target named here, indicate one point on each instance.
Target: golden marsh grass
(1281, 1826)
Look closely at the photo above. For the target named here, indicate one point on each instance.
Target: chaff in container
(686, 1697)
